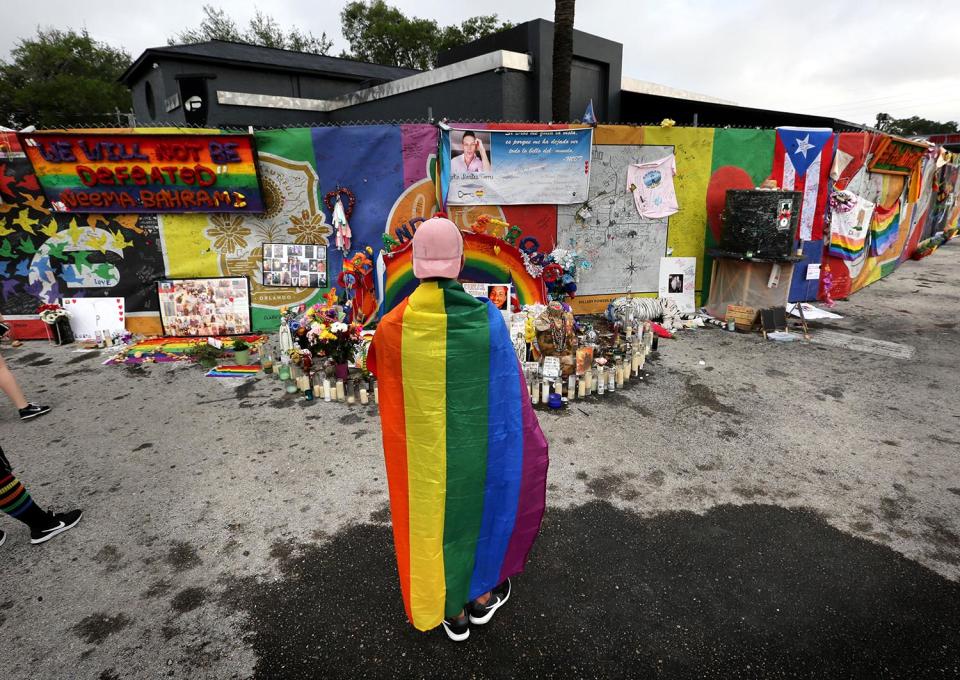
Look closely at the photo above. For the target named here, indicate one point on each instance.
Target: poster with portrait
(515, 167)
(678, 280)
(499, 294)
(204, 307)
(295, 265)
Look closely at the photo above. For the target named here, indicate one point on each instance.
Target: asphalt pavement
(781, 510)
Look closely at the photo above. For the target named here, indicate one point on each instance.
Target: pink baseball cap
(437, 249)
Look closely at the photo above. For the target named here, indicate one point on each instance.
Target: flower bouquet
(58, 328)
(560, 272)
(326, 332)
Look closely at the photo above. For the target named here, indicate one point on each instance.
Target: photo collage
(296, 265)
(201, 307)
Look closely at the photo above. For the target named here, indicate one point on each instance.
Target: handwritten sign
(515, 167)
(145, 173)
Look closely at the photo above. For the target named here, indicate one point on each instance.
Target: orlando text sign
(154, 173)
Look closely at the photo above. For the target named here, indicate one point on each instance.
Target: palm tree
(562, 58)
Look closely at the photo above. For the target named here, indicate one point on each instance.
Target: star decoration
(25, 222)
(804, 145)
(631, 268)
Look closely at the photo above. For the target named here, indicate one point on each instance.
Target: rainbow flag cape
(466, 459)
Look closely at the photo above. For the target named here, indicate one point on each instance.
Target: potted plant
(205, 354)
(241, 352)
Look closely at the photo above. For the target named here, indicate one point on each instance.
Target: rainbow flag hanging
(466, 459)
(884, 228)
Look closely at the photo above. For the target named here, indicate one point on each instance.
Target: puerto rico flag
(801, 162)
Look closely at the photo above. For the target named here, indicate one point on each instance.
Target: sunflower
(228, 232)
(309, 228)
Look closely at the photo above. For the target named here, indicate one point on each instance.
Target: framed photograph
(205, 306)
(294, 264)
(499, 294)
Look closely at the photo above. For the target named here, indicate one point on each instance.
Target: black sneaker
(482, 613)
(32, 411)
(61, 522)
(457, 630)
(3, 537)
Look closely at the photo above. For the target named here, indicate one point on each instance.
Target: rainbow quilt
(466, 459)
(165, 350)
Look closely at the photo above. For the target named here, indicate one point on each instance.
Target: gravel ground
(780, 511)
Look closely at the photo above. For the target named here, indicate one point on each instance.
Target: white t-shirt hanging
(652, 187)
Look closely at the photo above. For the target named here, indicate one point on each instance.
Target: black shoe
(457, 630)
(482, 613)
(61, 522)
(32, 411)
(3, 537)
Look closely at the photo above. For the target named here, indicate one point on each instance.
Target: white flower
(338, 327)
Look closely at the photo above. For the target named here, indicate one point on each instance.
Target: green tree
(262, 30)
(914, 126)
(379, 33)
(61, 78)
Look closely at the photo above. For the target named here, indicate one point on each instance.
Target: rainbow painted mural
(487, 260)
(106, 173)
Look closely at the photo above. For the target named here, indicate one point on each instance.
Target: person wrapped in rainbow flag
(466, 459)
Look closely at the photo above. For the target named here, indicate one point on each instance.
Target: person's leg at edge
(10, 387)
(17, 502)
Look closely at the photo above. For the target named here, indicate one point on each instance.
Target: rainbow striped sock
(15, 500)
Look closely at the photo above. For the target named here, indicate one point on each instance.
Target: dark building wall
(478, 97)
(535, 38)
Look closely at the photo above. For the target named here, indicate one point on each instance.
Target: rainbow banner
(487, 259)
(466, 459)
(107, 173)
(884, 228)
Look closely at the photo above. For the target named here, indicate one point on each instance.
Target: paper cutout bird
(23, 269)
(5, 249)
(25, 222)
(103, 270)
(119, 241)
(75, 232)
(93, 219)
(80, 258)
(36, 202)
(50, 229)
(129, 222)
(56, 250)
(71, 275)
(4, 231)
(26, 247)
(3, 268)
(8, 287)
(97, 242)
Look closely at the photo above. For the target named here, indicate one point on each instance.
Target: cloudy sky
(848, 59)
